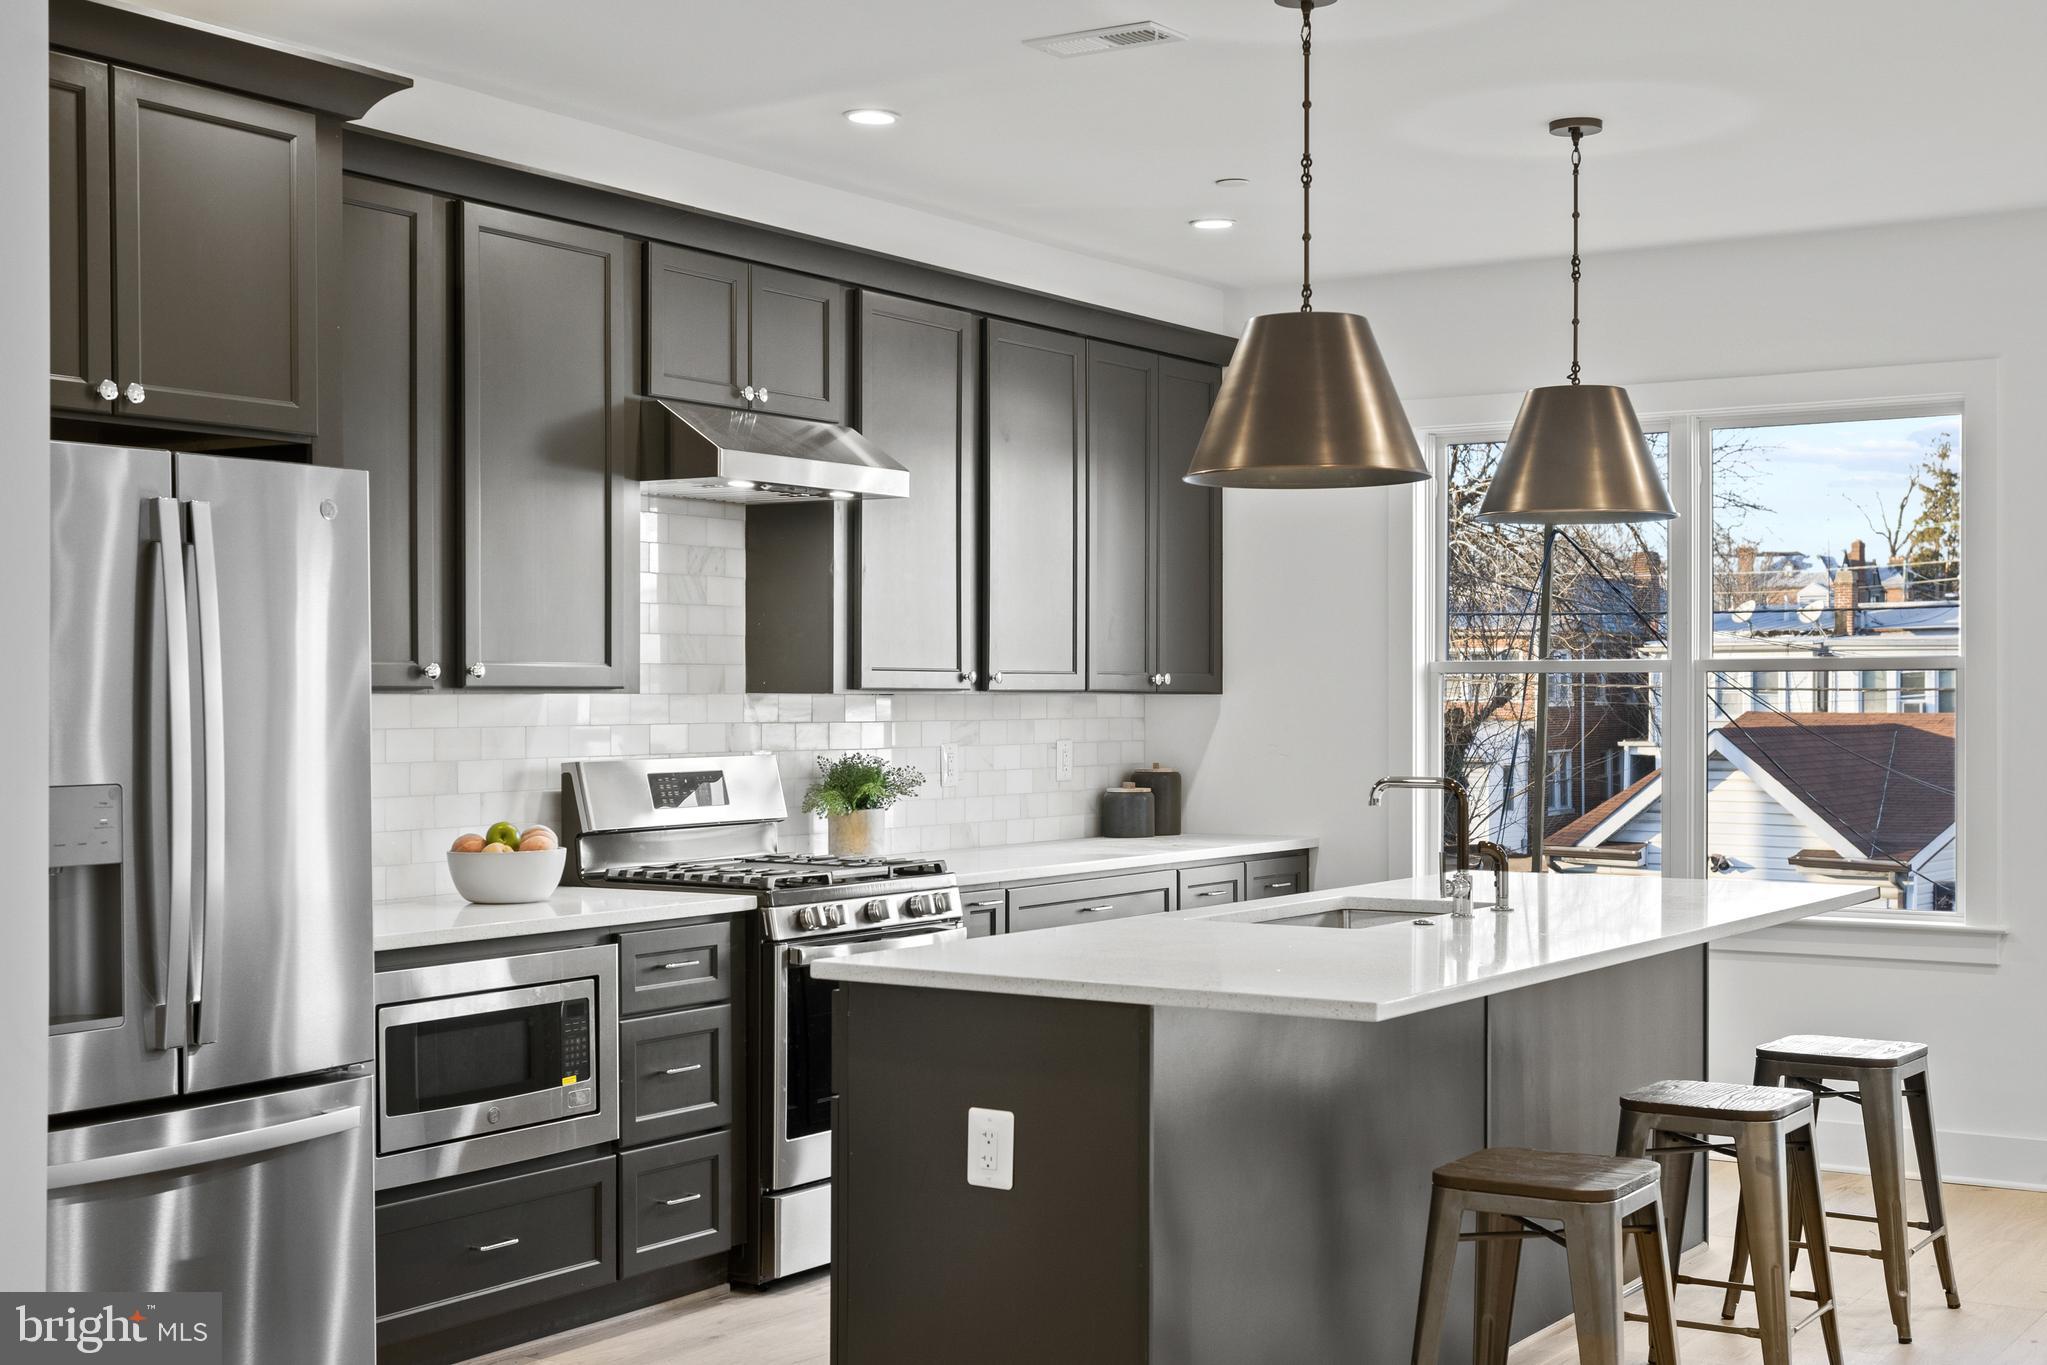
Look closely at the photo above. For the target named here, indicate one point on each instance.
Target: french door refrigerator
(210, 959)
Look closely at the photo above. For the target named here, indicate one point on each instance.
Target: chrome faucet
(1495, 857)
(1455, 883)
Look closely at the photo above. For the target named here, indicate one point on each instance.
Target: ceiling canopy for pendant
(1307, 402)
(1576, 454)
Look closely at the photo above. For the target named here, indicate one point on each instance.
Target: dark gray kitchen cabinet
(1034, 622)
(394, 406)
(1187, 537)
(214, 287)
(985, 910)
(738, 335)
(1091, 900)
(81, 262)
(1122, 426)
(916, 580)
(549, 527)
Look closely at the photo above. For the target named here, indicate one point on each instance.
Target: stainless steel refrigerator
(210, 959)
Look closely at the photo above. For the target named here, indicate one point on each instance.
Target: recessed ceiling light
(872, 118)
(1211, 224)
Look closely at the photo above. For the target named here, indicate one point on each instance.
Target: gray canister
(1164, 783)
(1126, 812)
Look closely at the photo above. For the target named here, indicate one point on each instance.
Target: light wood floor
(2000, 1239)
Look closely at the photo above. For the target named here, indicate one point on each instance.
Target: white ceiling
(1726, 118)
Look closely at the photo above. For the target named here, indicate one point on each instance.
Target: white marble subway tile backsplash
(446, 762)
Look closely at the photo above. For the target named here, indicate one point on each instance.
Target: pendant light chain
(1577, 265)
(1307, 161)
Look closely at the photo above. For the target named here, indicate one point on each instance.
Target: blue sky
(1818, 478)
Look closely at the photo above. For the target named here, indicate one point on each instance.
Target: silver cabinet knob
(1165, 680)
(747, 393)
(969, 676)
(430, 671)
(995, 676)
(760, 395)
(136, 393)
(108, 390)
(476, 670)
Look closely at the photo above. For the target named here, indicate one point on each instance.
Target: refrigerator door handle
(97, 1170)
(170, 555)
(212, 919)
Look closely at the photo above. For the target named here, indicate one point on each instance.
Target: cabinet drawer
(675, 969)
(1204, 888)
(674, 1202)
(1285, 875)
(984, 911)
(458, 1255)
(1083, 902)
(675, 1074)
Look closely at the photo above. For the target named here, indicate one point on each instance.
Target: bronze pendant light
(1307, 402)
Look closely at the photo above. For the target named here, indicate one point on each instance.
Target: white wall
(1300, 728)
(25, 625)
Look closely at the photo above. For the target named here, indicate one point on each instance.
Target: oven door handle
(804, 956)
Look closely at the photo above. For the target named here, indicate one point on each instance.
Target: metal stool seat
(1513, 1191)
(1768, 1132)
(1885, 1074)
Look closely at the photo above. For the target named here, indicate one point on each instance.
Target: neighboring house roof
(1884, 784)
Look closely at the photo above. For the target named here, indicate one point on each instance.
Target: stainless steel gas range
(709, 823)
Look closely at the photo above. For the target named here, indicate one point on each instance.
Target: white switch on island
(991, 1148)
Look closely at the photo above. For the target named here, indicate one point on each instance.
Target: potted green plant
(852, 792)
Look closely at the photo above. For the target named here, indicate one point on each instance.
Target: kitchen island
(1225, 1121)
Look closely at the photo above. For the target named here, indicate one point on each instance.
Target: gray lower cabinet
(1085, 902)
(1035, 458)
(676, 1074)
(549, 509)
(738, 335)
(679, 967)
(467, 1252)
(675, 1202)
(1203, 888)
(1284, 875)
(986, 911)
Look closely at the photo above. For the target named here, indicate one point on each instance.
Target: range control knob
(832, 915)
(874, 912)
(809, 918)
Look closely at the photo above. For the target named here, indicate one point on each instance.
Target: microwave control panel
(575, 1043)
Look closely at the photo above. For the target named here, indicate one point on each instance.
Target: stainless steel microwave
(495, 1061)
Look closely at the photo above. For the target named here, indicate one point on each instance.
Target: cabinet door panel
(797, 341)
(1187, 526)
(1036, 503)
(696, 326)
(394, 413)
(1122, 403)
(549, 531)
(213, 211)
(916, 562)
(81, 261)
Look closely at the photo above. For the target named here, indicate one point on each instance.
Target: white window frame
(1689, 411)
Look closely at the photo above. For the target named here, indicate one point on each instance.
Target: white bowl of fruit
(505, 865)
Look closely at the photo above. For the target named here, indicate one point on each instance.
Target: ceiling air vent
(1115, 39)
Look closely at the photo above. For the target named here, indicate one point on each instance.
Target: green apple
(503, 832)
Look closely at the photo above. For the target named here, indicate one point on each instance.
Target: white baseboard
(2011, 1163)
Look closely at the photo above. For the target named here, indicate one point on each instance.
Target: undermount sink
(1348, 917)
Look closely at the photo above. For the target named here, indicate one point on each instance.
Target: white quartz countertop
(1231, 959)
(432, 921)
(1105, 857)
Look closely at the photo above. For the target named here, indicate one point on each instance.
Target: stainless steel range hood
(693, 451)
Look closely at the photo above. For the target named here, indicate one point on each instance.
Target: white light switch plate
(991, 1148)
(949, 765)
(1065, 760)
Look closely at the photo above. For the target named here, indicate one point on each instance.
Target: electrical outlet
(1065, 760)
(991, 1148)
(949, 765)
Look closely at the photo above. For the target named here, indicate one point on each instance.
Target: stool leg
(1658, 1290)
(1499, 1267)
(1766, 1213)
(1919, 1107)
(1592, 1241)
(1809, 1200)
(1439, 1263)
(1766, 1073)
(1887, 1183)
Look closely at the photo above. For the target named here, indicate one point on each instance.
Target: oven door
(485, 1063)
(800, 1079)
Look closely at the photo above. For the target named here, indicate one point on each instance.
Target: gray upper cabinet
(394, 405)
(214, 286)
(725, 332)
(1187, 535)
(81, 262)
(916, 559)
(1036, 510)
(549, 525)
(1122, 418)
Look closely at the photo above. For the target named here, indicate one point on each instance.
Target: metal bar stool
(1768, 1132)
(1884, 1073)
(1513, 1191)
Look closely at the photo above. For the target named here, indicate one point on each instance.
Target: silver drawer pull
(1286, 885)
(983, 905)
(685, 1199)
(683, 1070)
(1212, 891)
(682, 966)
(498, 1246)
(1090, 909)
